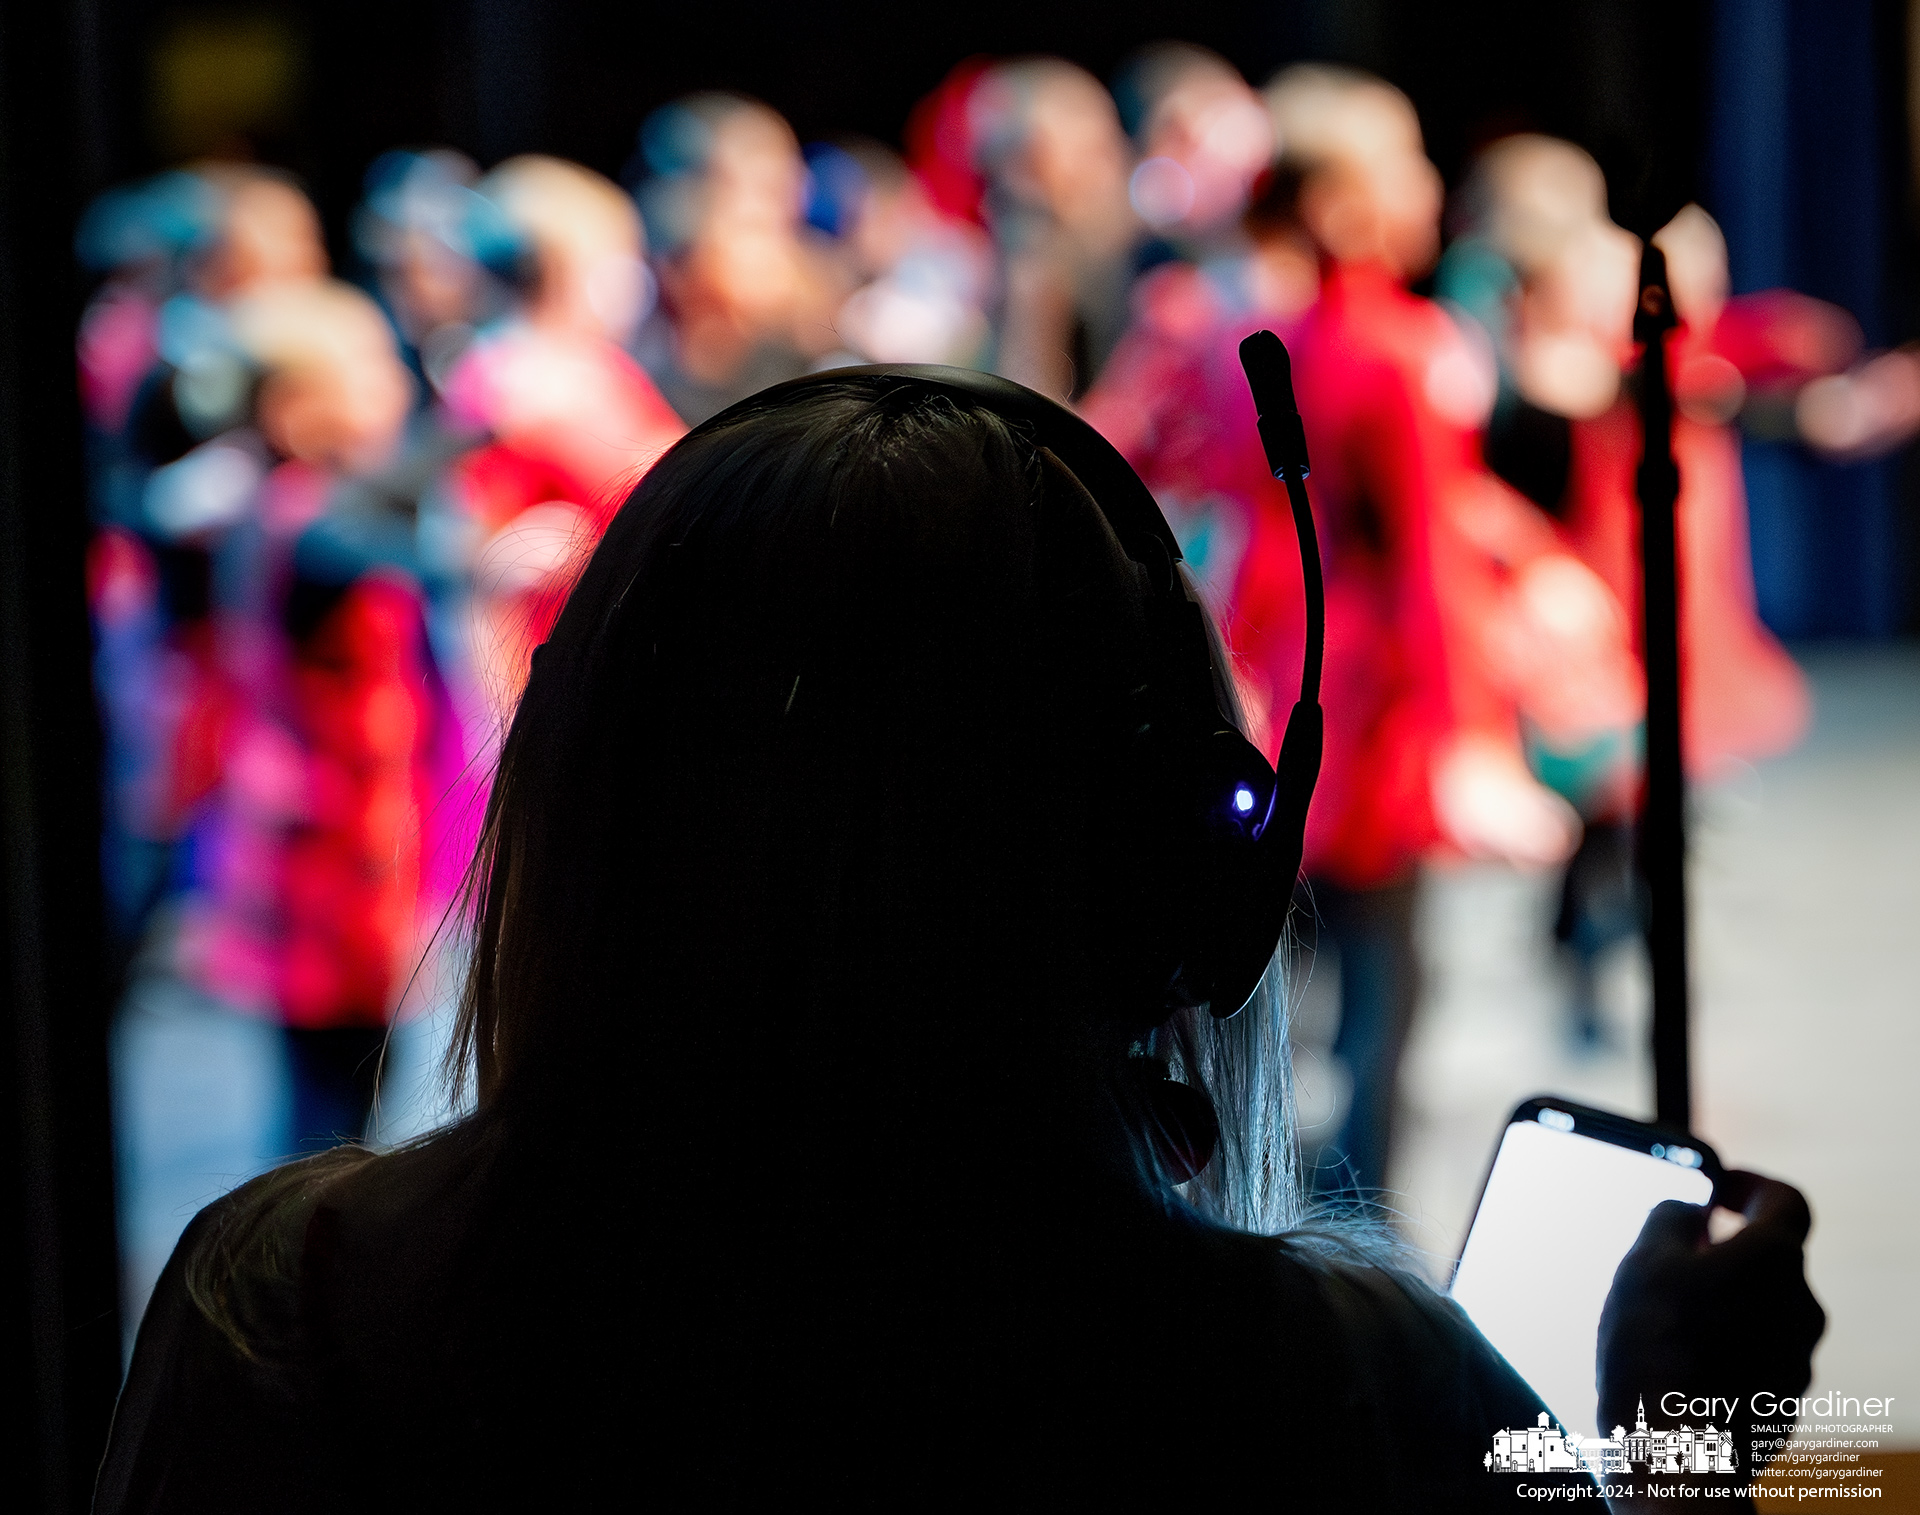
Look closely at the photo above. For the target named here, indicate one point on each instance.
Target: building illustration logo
(1547, 1448)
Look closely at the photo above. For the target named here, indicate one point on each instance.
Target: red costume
(309, 854)
(1415, 537)
(574, 423)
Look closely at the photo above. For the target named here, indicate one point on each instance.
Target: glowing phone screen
(1559, 1212)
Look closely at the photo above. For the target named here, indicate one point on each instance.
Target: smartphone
(1564, 1200)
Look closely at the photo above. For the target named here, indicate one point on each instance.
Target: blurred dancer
(1553, 282)
(921, 278)
(136, 238)
(573, 420)
(1162, 396)
(1568, 435)
(162, 381)
(1421, 740)
(748, 293)
(1046, 139)
(306, 851)
(1560, 334)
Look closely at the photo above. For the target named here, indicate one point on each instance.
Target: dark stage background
(495, 77)
(1787, 119)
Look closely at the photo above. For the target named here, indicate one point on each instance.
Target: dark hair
(787, 911)
(803, 804)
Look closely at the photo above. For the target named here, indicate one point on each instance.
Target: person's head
(1203, 135)
(444, 255)
(1365, 190)
(1540, 204)
(720, 166)
(726, 197)
(591, 278)
(1047, 136)
(333, 391)
(267, 233)
(807, 815)
(1528, 194)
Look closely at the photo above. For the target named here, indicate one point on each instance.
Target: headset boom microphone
(1270, 376)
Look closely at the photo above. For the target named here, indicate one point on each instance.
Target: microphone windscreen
(1269, 373)
(1270, 377)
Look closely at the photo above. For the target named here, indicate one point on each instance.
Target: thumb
(1673, 1227)
(1771, 1207)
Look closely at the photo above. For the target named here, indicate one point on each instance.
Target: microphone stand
(1662, 842)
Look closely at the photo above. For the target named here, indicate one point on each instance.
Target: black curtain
(59, 1319)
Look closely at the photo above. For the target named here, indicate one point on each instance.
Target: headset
(1208, 834)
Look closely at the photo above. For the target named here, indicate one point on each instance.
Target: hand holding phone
(1566, 1197)
(1719, 1320)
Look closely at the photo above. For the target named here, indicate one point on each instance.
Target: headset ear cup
(1206, 846)
(1251, 914)
(1295, 776)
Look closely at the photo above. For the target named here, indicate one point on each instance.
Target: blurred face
(343, 411)
(1575, 327)
(431, 285)
(756, 178)
(591, 284)
(744, 258)
(1075, 157)
(752, 275)
(1378, 200)
(1209, 139)
(271, 236)
(588, 242)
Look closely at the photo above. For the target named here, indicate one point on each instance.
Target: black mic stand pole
(1662, 849)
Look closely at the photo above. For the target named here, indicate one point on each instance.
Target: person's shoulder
(390, 1245)
(242, 1258)
(221, 1399)
(1361, 1284)
(250, 1358)
(1385, 1313)
(251, 1264)
(1375, 1356)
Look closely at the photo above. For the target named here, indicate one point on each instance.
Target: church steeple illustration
(1640, 1416)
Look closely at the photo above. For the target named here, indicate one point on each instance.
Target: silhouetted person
(810, 1154)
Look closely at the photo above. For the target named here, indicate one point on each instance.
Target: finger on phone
(1778, 1210)
(1723, 1224)
(1673, 1225)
